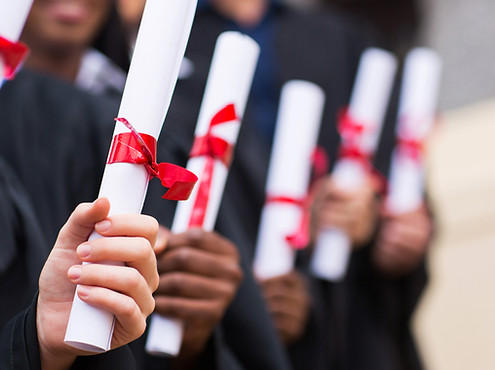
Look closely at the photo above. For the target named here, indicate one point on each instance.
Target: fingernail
(83, 250)
(74, 273)
(83, 291)
(103, 225)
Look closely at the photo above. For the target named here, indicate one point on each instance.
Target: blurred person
(396, 22)
(34, 338)
(402, 241)
(324, 49)
(60, 34)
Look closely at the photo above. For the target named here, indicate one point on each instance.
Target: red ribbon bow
(13, 55)
(133, 147)
(351, 131)
(300, 238)
(411, 148)
(348, 128)
(211, 147)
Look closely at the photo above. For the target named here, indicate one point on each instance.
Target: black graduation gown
(53, 137)
(22, 255)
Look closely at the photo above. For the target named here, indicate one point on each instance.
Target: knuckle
(129, 307)
(196, 235)
(134, 278)
(182, 257)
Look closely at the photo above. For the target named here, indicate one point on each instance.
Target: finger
(82, 221)
(189, 310)
(189, 259)
(195, 287)
(203, 240)
(135, 252)
(161, 240)
(130, 320)
(122, 279)
(289, 279)
(129, 225)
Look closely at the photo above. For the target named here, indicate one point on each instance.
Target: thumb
(81, 222)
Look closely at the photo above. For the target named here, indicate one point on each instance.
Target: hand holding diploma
(13, 15)
(199, 276)
(360, 129)
(417, 114)
(159, 50)
(125, 291)
(229, 82)
(406, 226)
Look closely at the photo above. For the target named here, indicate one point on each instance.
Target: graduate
(61, 34)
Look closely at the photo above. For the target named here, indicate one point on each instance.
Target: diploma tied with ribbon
(224, 101)
(160, 47)
(360, 127)
(417, 114)
(287, 188)
(13, 15)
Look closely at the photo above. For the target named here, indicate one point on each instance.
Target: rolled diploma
(417, 107)
(13, 15)
(298, 123)
(229, 82)
(160, 47)
(368, 105)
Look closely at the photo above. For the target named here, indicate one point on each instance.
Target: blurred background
(455, 325)
(455, 322)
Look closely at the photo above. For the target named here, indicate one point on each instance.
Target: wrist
(53, 356)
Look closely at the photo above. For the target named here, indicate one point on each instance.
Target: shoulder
(45, 92)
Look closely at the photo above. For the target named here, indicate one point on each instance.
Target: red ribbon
(411, 148)
(212, 148)
(13, 55)
(351, 131)
(301, 237)
(133, 147)
(349, 128)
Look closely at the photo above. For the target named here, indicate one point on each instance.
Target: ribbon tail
(14, 55)
(199, 209)
(300, 239)
(179, 181)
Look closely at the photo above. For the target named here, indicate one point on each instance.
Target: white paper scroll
(13, 15)
(160, 47)
(298, 124)
(229, 82)
(368, 106)
(417, 113)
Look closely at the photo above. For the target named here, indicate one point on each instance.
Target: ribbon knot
(212, 148)
(410, 147)
(300, 238)
(13, 55)
(349, 128)
(138, 148)
(351, 132)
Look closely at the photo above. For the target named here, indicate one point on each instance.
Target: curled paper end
(179, 181)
